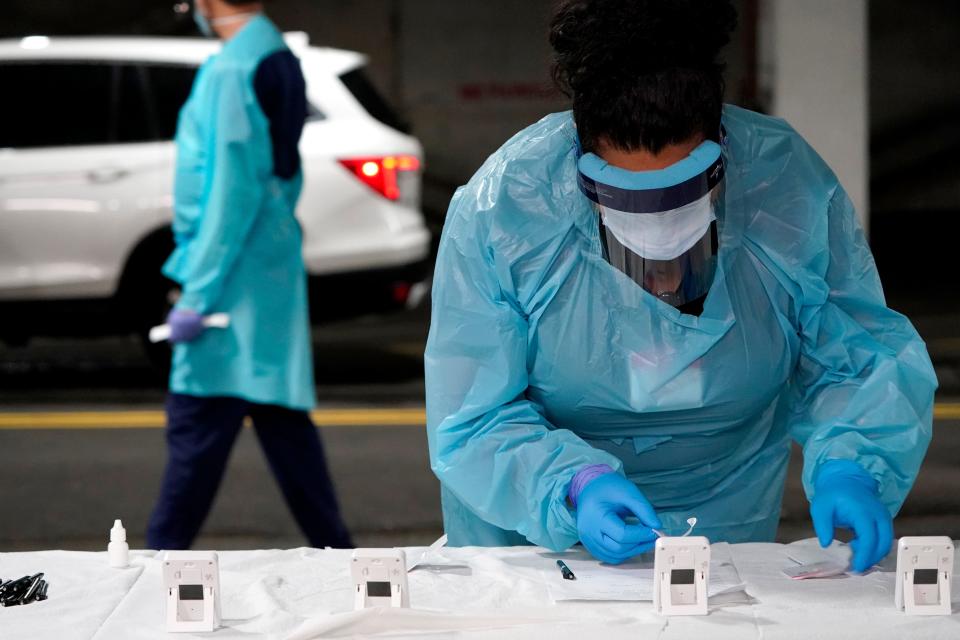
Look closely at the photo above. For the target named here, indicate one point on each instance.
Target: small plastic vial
(118, 549)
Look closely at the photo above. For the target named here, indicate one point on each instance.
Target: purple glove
(185, 325)
(583, 477)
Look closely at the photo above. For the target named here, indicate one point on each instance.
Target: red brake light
(380, 174)
(401, 291)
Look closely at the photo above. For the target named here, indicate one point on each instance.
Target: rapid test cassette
(924, 572)
(681, 573)
(379, 578)
(192, 589)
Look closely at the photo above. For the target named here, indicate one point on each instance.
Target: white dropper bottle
(118, 549)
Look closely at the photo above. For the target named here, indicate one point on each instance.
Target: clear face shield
(660, 227)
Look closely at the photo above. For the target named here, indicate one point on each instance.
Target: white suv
(86, 174)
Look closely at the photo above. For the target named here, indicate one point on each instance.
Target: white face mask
(661, 236)
(206, 24)
(234, 19)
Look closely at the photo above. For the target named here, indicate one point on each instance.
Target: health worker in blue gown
(238, 179)
(640, 304)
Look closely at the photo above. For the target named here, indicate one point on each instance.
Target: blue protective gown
(238, 242)
(543, 358)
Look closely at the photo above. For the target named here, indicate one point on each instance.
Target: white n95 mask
(661, 236)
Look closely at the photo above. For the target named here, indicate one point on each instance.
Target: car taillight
(381, 173)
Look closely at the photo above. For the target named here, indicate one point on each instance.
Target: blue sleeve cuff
(848, 470)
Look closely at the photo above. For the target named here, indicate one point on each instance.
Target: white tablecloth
(302, 594)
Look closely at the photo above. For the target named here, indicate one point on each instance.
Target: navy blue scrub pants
(200, 434)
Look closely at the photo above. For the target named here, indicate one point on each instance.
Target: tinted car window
(370, 99)
(55, 104)
(170, 87)
(132, 113)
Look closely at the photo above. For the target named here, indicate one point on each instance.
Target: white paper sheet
(810, 552)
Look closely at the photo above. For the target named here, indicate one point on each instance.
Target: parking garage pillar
(815, 59)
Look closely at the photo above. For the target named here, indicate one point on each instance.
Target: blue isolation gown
(543, 358)
(238, 242)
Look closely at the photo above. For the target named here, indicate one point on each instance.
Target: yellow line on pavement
(947, 411)
(410, 417)
(361, 417)
(401, 417)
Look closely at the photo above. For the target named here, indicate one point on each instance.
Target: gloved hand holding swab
(213, 321)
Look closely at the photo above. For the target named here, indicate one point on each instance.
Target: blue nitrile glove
(185, 325)
(602, 499)
(846, 496)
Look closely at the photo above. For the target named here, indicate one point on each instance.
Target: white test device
(379, 578)
(924, 572)
(192, 581)
(681, 573)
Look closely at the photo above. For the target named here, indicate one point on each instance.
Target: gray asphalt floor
(62, 488)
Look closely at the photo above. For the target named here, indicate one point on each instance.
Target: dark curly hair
(642, 74)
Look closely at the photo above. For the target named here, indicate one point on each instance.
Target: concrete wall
(914, 105)
(467, 75)
(816, 61)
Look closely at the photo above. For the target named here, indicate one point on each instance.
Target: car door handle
(106, 175)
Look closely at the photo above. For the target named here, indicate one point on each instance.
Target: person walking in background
(238, 251)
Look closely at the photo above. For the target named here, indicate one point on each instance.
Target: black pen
(10, 585)
(31, 591)
(11, 597)
(14, 586)
(565, 570)
(18, 589)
